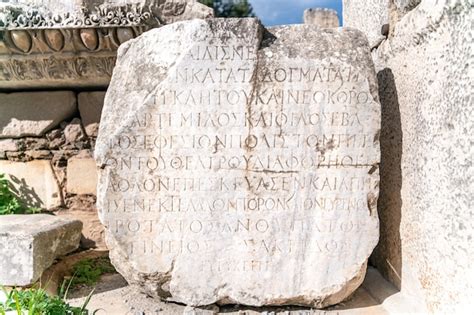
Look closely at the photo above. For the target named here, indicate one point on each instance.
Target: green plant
(35, 301)
(9, 203)
(88, 271)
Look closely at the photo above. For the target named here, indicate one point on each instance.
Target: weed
(9, 203)
(88, 271)
(35, 301)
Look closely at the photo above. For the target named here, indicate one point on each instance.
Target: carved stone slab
(240, 165)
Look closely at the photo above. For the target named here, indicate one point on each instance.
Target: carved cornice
(44, 49)
(66, 40)
(34, 17)
(84, 71)
(68, 57)
(39, 49)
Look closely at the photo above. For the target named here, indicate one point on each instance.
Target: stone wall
(56, 60)
(425, 206)
(46, 147)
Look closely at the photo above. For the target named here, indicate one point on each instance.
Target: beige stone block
(34, 113)
(322, 17)
(8, 145)
(34, 182)
(90, 107)
(81, 176)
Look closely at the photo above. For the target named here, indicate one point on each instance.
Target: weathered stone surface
(81, 176)
(406, 5)
(90, 108)
(34, 113)
(326, 18)
(8, 145)
(367, 16)
(73, 131)
(375, 296)
(240, 165)
(38, 154)
(165, 10)
(34, 182)
(30, 243)
(92, 229)
(426, 192)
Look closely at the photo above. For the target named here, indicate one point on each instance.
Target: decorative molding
(70, 57)
(65, 50)
(41, 48)
(73, 40)
(54, 68)
(28, 17)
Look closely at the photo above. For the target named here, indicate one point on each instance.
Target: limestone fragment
(367, 16)
(73, 131)
(425, 80)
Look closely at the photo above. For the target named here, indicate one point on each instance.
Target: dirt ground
(115, 297)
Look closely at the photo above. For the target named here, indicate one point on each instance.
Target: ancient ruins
(204, 165)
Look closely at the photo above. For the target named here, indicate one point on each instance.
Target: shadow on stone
(26, 194)
(387, 256)
(108, 282)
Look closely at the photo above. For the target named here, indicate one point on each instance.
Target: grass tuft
(9, 203)
(35, 301)
(88, 271)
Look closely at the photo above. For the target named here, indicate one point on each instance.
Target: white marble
(240, 165)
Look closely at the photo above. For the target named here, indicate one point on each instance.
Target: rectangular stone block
(8, 145)
(90, 108)
(30, 243)
(81, 176)
(92, 230)
(34, 113)
(33, 182)
(322, 17)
